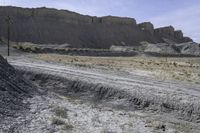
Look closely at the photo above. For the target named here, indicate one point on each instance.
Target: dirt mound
(189, 48)
(13, 89)
(161, 48)
(182, 49)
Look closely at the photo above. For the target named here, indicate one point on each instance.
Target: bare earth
(91, 94)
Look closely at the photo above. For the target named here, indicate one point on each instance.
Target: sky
(182, 14)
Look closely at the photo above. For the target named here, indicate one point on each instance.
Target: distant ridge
(52, 26)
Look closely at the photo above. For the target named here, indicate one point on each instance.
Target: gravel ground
(85, 117)
(79, 99)
(174, 107)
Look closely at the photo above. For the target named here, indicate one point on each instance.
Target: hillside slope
(13, 89)
(44, 25)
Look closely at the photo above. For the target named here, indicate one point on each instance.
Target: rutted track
(130, 91)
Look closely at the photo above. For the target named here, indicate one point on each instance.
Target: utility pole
(8, 31)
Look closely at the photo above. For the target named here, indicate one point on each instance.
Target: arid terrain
(180, 69)
(74, 73)
(107, 94)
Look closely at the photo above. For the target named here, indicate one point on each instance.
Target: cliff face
(44, 25)
(170, 33)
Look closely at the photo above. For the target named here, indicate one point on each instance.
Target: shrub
(56, 121)
(61, 112)
(68, 127)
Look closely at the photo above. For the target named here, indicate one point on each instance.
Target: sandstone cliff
(44, 25)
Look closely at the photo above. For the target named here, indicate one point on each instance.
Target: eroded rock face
(170, 33)
(147, 26)
(117, 20)
(189, 48)
(44, 26)
(167, 32)
(187, 39)
(184, 49)
(178, 34)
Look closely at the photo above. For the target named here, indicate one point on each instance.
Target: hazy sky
(182, 14)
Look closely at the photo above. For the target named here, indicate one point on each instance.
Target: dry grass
(156, 125)
(26, 46)
(36, 48)
(183, 69)
(60, 112)
(56, 121)
(68, 127)
(59, 122)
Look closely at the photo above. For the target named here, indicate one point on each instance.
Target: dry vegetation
(26, 46)
(36, 48)
(183, 69)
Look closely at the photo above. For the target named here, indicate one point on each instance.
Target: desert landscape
(73, 73)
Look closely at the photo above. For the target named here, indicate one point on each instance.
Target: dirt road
(158, 92)
(127, 81)
(86, 99)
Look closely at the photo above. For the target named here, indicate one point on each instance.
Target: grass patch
(156, 125)
(185, 128)
(60, 112)
(67, 127)
(56, 121)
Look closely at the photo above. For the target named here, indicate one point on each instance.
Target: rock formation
(45, 26)
(178, 34)
(181, 49)
(147, 26)
(167, 32)
(170, 33)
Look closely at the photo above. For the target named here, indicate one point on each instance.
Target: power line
(8, 20)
